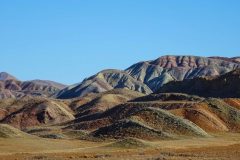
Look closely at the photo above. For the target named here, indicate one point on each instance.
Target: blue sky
(68, 40)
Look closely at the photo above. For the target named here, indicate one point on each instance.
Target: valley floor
(217, 147)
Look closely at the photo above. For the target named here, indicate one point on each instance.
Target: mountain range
(145, 77)
(11, 87)
(170, 98)
(148, 76)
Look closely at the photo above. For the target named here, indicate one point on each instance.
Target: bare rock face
(149, 76)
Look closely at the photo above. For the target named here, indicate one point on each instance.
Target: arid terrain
(174, 107)
(220, 146)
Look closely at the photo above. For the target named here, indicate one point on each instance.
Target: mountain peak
(6, 76)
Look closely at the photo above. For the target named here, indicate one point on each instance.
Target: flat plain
(219, 146)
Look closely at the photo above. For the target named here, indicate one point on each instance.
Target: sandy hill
(163, 116)
(33, 111)
(7, 131)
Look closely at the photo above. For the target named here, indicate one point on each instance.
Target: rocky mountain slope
(104, 81)
(158, 72)
(149, 76)
(227, 85)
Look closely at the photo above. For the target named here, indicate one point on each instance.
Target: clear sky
(68, 40)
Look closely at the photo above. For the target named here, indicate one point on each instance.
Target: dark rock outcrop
(224, 86)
